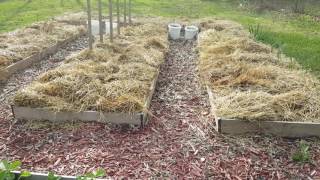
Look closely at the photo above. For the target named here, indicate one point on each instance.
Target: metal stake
(130, 6)
(89, 24)
(118, 17)
(111, 20)
(100, 21)
(125, 12)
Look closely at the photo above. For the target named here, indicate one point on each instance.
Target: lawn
(17, 13)
(297, 36)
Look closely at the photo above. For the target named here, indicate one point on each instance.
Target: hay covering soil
(251, 81)
(74, 18)
(22, 43)
(111, 78)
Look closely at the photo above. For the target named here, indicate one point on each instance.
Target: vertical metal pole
(118, 17)
(125, 12)
(100, 20)
(111, 20)
(130, 6)
(89, 24)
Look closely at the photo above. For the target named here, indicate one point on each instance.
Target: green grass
(299, 36)
(304, 48)
(17, 13)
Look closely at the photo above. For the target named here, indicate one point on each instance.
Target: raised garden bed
(277, 128)
(255, 89)
(6, 72)
(139, 118)
(113, 83)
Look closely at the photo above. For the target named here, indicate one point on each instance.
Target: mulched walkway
(179, 142)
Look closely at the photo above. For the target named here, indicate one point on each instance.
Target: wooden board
(277, 128)
(146, 115)
(27, 62)
(41, 114)
(213, 109)
(41, 176)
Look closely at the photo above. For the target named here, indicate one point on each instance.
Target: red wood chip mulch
(179, 141)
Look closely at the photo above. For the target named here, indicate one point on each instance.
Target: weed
(256, 30)
(51, 176)
(6, 169)
(93, 175)
(263, 36)
(302, 155)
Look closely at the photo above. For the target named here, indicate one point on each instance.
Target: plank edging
(149, 99)
(42, 176)
(278, 128)
(212, 109)
(291, 129)
(28, 113)
(30, 60)
(137, 118)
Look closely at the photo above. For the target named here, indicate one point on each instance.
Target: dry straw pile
(22, 43)
(75, 18)
(250, 81)
(113, 77)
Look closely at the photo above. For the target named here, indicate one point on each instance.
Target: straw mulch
(251, 81)
(22, 43)
(113, 77)
(75, 18)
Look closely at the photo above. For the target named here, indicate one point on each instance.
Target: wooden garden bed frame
(5, 73)
(277, 128)
(42, 176)
(139, 118)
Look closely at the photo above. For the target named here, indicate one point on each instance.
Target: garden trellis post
(111, 20)
(100, 20)
(89, 24)
(130, 6)
(118, 17)
(125, 12)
